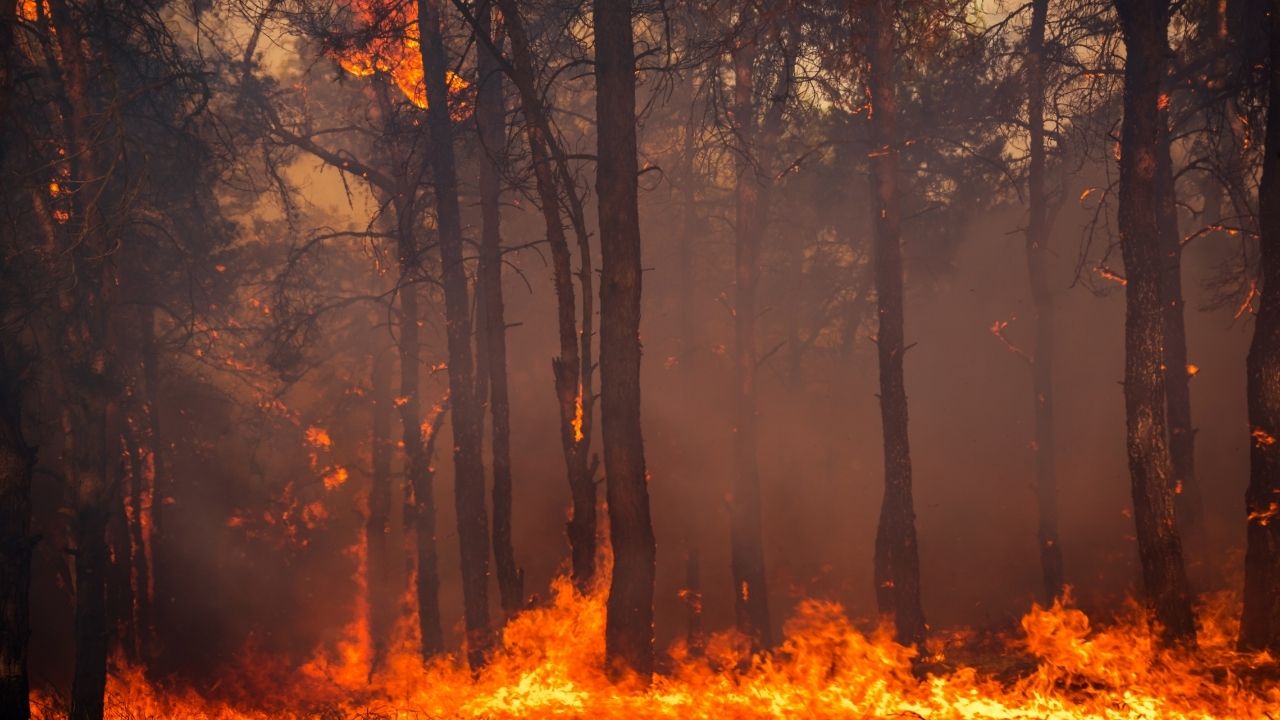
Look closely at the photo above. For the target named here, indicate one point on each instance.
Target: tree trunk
(16, 462)
(420, 509)
(1260, 624)
(381, 597)
(751, 207)
(490, 117)
(1145, 23)
(571, 370)
(1044, 448)
(1188, 502)
(629, 620)
(468, 465)
(897, 557)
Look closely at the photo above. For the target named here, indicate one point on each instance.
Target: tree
(1260, 623)
(629, 620)
(1038, 231)
(469, 500)
(1144, 24)
(755, 161)
(897, 555)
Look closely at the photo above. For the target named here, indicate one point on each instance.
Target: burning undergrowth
(550, 664)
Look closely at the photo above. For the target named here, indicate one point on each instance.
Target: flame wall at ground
(549, 665)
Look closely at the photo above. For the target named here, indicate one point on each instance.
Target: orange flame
(395, 51)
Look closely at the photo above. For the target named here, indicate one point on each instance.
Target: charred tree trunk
(1045, 446)
(420, 509)
(897, 557)
(16, 462)
(571, 370)
(490, 117)
(1145, 23)
(1188, 503)
(629, 620)
(381, 598)
(468, 465)
(1260, 624)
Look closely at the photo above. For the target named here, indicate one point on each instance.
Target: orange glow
(319, 437)
(395, 51)
(577, 416)
(1192, 370)
(549, 665)
(1262, 437)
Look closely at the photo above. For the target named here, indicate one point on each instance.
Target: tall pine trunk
(1260, 624)
(1188, 502)
(468, 465)
(1145, 23)
(572, 370)
(753, 192)
(490, 118)
(897, 557)
(1045, 445)
(629, 619)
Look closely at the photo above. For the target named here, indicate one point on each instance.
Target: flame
(394, 50)
(550, 664)
(577, 416)
(1262, 437)
(319, 437)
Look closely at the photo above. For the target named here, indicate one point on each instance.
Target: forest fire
(550, 659)
(506, 359)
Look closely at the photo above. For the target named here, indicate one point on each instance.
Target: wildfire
(394, 50)
(550, 664)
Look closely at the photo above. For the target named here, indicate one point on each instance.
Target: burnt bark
(572, 370)
(1144, 24)
(1044, 447)
(468, 465)
(629, 619)
(1260, 623)
(492, 342)
(381, 597)
(897, 556)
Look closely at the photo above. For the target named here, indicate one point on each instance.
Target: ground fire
(325, 327)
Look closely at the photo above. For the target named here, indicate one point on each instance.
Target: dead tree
(17, 460)
(382, 601)
(629, 619)
(1260, 624)
(897, 556)
(468, 466)
(1144, 24)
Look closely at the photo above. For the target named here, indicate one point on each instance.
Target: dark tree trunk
(1145, 23)
(468, 465)
(420, 509)
(1188, 503)
(897, 557)
(1260, 624)
(629, 620)
(1044, 447)
(381, 596)
(571, 370)
(490, 117)
(16, 462)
